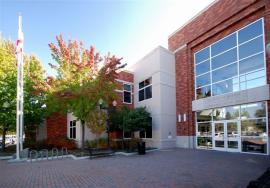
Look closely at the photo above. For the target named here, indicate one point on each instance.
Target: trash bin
(141, 148)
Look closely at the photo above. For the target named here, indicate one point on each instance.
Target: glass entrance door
(226, 136)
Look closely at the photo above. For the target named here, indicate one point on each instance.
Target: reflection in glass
(252, 63)
(224, 59)
(226, 113)
(250, 32)
(254, 145)
(224, 73)
(203, 80)
(251, 47)
(204, 129)
(232, 144)
(148, 92)
(205, 115)
(203, 67)
(204, 142)
(226, 86)
(232, 130)
(203, 92)
(254, 110)
(223, 44)
(141, 95)
(202, 55)
(253, 127)
(253, 79)
(127, 87)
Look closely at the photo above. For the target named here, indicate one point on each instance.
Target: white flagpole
(19, 118)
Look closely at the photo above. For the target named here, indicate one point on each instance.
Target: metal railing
(44, 154)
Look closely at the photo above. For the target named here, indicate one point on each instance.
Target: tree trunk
(83, 134)
(4, 139)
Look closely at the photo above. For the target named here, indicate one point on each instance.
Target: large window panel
(250, 32)
(204, 142)
(252, 79)
(224, 73)
(254, 110)
(203, 67)
(250, 48)
(204, 129)
(226, 113)
(203, 80)
(224, 59)
(254, 145)
(203, 92)
(141, 95)
(226, 86)
(252, 63)
(148, 92)
(253, 127)
(205, 115)
(223, 45)
(202, 55)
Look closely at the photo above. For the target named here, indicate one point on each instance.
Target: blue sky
(126, 28)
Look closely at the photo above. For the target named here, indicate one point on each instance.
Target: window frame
(123, 93)
(72, 126)
(237, 61)
(144, 89)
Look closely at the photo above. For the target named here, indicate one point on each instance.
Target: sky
(126, 28)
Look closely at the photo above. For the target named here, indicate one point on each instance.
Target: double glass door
(226, 136)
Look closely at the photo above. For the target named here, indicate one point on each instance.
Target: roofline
(193, 18)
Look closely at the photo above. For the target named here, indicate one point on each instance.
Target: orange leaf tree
(83, 77)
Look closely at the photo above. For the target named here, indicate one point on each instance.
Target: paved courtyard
(165, 168)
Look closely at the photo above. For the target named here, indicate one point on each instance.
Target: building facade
(222, 77)
(210, 90)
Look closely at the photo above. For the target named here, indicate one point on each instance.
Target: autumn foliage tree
(83, 77)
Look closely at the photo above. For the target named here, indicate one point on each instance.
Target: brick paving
(167, 168)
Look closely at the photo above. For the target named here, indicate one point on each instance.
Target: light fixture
(100, 101)
(114, 103)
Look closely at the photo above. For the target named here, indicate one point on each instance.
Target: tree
(81, 81)
(8, 83)
(133, 120)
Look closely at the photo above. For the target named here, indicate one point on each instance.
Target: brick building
(222, 77)
(210, 90)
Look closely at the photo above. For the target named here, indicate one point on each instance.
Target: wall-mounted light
(184, 117)
(179, 118)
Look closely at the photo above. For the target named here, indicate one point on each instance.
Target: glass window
(203, 92)
(254, 144)
(224, 73)
(145, 89)
(251, 47)
(224, 44)
(227, 86)
(252, 63)
(204, 142)
(148, 92)
(250, 32)
(253, 127)
(203, 67)
(226, 113)
(141, 85)
(141, 95)
(254, 110)
(127, 97)
(127, 87)
(224, 59)
(72, 129)
(203, 80)
(202, 55)
(253, 79)
(205, 115)
(205, 129)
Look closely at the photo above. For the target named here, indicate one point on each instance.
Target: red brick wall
(56, 126)
(223, 18)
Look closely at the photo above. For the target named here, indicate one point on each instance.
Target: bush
(131, 144)
(97, 143)
(37, 145)
(61, 142)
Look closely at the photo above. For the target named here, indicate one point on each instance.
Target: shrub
(61, 142)
(37, 145)
(97, 143)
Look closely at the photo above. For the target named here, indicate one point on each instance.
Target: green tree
(81, 81)
(8, 83)
(133, 120)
